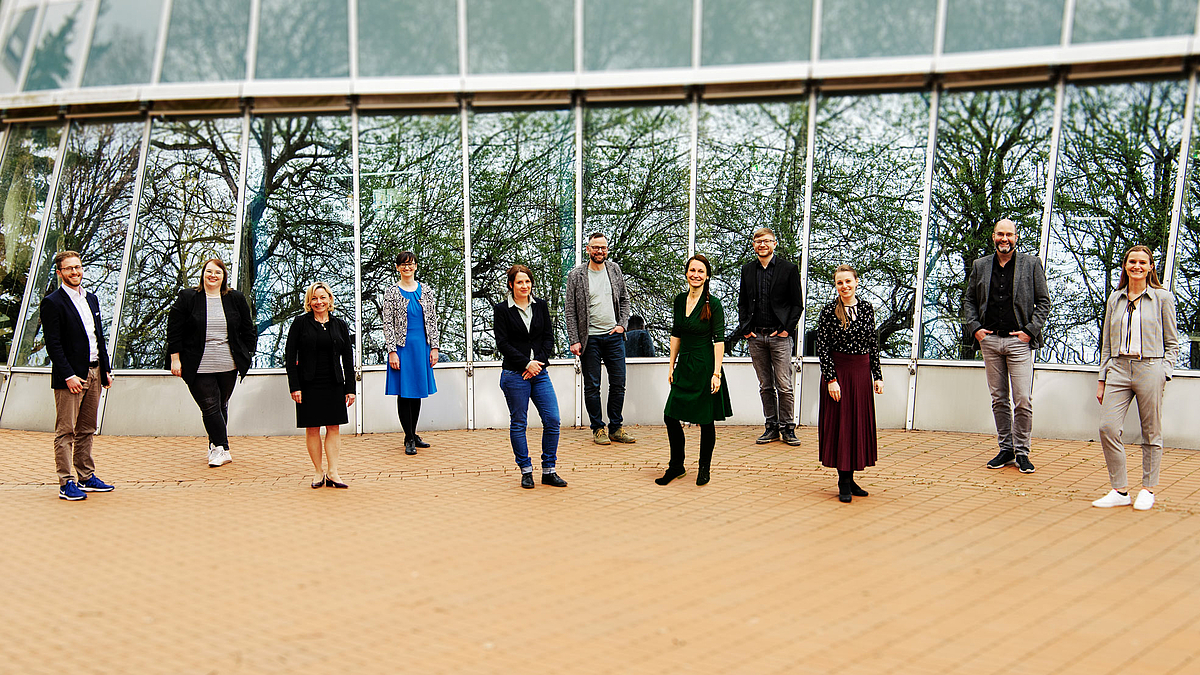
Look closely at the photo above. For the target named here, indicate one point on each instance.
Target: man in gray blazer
(1004, 308)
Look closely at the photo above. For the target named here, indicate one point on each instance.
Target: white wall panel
(447, 409)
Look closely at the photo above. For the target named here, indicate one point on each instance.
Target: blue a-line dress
(414, 379)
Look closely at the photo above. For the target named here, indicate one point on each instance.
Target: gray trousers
(1009, 366)
(1129, 378)
(772, 358)
(74, 426)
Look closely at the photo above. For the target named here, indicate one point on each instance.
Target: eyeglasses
(598, 248)
(407, 265)
(764, 241)
(72, 268)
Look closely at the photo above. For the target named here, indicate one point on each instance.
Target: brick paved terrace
(440, 563)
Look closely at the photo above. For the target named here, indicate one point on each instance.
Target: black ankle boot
(844, 489)
(702, 476)
(856, 490)
(671, 474)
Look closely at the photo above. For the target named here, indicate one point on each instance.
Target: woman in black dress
(320, 369)
(848, 346)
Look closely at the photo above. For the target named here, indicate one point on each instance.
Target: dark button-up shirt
(763, 316)
(999, 316)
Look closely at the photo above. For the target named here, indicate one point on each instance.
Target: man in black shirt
(1004, 308)
(769, 305)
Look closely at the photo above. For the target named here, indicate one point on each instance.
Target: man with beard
(1004, 309)
(597, 315)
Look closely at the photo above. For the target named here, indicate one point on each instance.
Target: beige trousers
(74, 426)
(1130, 378)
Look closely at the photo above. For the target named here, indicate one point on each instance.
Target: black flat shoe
(845, 497)
(670, 475)
(857, 491)
(527, 481)
(320, 482)
(417, 441)
(553, 479)
(702, 477)
(329, 482)
(410, 447)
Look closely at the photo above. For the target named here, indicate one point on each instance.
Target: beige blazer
(1160, 334)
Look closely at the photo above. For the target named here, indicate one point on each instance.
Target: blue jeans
(611, 350)
(518, 392)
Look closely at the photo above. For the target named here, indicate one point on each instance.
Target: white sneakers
(218, 455)
(1145, 500)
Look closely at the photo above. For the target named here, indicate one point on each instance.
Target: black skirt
(322, 404)
(846, 429)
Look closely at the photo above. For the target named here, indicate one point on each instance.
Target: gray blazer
(577, 301)
(1031, 296)
(1160, 334)
(395, 318)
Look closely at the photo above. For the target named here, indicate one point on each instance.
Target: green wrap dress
(691, 398)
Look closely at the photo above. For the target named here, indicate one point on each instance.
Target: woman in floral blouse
(848, 346)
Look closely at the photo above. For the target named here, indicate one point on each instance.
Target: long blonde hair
(839, 310)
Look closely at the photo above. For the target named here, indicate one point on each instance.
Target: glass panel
(868, 189)
(124, 42)
(522, 211)
(303, 38)
(977, 25)
(1187, 261)
(187, 214)
(412, 200)
(623, 34)
(861, 28)
(756, 31)
(90, 216)
(206, 41)
(59, 47)
(407, 37)
(501, 36)
(25, 185)
(992, 149)
(636, 192)
(1114, 189)
(751, 175)
(15, 44)
(299, 226)
(1097, 20)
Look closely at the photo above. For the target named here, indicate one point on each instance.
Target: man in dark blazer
(79, 366)
(1005, 306)
(769, 305)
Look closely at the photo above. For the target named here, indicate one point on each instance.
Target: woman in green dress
(697, 392)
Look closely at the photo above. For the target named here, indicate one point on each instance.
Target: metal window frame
(160, 47)
(356, 215)
(89, 35)
(935, 102)
(810, 145)
(31, 48)
(468, 315)
(243, 165)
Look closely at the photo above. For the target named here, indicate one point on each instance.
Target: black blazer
(67, 341)
(300, 353)
(786, 297)
(515, 342)
(187, 326)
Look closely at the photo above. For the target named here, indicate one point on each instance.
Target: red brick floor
(439, 563)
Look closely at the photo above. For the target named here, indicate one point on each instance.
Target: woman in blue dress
(411, 332)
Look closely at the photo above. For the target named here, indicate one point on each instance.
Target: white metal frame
(918, 325)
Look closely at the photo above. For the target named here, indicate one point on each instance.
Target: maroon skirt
(846, 429)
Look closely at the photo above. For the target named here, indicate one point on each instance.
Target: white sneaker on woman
(1145, 500)
(1113, 498)
(214, 455)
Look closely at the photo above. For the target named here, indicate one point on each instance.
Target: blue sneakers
(71, 492)
(94, 484)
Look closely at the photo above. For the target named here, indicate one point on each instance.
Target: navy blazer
(514, 342)
(67, 340)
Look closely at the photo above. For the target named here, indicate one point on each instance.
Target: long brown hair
(706, 311)
(224, 278)
(839, 310)
(1151, 274)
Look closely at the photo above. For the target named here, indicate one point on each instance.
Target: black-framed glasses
(72, 268)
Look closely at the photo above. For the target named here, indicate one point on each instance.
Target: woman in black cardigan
(210, 348)
(525, 337)
(320, 367)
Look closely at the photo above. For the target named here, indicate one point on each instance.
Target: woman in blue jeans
(525, 338)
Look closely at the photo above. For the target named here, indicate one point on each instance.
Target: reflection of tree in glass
(751, 175)
(25, 183)
(499, 33)
(187, 212)
(1187, 265)
(624, 34)
(1115, 188)
(1097, 20)
(53, 65)
(206, 41)
(522, 211)
(868, 183)
(303, 38)
(861, 28)
(408, 37)
(992, 149)
(298, 226)
(411, 200)
(91, 216)
(635, 191)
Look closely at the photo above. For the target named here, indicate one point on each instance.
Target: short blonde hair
(313, 289)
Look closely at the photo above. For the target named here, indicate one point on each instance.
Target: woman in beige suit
(1139, 348)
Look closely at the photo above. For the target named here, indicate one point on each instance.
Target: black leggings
(409, 409)
(708, 439)
(211, 392)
